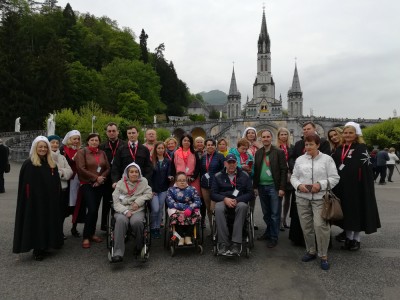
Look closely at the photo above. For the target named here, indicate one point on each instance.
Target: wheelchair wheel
(250, 229)
(200, 249)
(167, 231)
(109, 256)
(110, 228)
(247, 252)
(172, 250)
(144, 254)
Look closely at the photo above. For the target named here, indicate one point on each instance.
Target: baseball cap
(230, 157)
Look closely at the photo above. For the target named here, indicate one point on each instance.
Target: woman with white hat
(38, 217)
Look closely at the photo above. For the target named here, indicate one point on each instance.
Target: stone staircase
(20, 143)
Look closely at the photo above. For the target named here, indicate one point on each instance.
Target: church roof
(296, 82)
(233, 91)
(264, 37)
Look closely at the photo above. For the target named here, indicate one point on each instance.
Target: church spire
(233, 88)
(264, 43)
(296, 82)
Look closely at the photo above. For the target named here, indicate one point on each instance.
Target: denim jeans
(157, 209)
(271, 207)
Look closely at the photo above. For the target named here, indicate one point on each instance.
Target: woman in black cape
(38, 216)
(356, 187)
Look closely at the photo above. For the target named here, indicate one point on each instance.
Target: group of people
(383, 163)
(195, 178)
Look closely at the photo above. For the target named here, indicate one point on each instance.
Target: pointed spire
(296, 82)
(264, 43)
(233, 88)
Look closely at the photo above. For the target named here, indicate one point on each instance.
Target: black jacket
(124, 158)
(278, 167)
(221, 187)
(216, 165)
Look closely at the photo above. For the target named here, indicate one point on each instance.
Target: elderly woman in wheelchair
(129, 198)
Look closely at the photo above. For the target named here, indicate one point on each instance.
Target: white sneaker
(181, 242)
(188, 240)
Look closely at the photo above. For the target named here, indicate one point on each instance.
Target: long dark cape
(38, 221)
(356, 190)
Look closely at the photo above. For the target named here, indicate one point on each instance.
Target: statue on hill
(51, 125)
(17, 124)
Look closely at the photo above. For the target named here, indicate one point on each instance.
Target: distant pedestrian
(393, 159)
(38, 217)
(4, 153)
(381, 158)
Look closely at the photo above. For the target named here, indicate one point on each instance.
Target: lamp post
(93, 119)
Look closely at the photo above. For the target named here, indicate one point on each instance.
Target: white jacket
(308, 170)
(64, 169)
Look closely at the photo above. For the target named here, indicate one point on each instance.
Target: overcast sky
(348, 51)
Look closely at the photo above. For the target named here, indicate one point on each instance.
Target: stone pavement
(75, 273)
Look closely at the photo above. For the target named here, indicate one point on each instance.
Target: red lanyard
(267, 163)
(115, 150)
(284, 148)
(169, 157)
(97, 158)
(208, 161)
(344, 153)
(233, 182)
(131, 192)
(133, 155)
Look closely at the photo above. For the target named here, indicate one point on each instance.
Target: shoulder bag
(331, 209)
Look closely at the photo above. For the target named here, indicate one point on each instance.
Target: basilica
(264, 103)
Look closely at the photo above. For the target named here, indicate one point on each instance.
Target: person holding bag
(310, 177)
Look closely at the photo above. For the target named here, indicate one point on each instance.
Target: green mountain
(214, 97)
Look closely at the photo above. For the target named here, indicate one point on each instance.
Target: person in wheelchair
(183, 208)
(129, 198)
(231, 190)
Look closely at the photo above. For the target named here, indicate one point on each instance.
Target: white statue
(155, 119)
(220, 114)
(17, 124)
(51, 125)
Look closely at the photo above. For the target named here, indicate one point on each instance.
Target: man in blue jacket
(231, 190)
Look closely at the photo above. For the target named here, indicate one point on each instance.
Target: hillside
(214, 97)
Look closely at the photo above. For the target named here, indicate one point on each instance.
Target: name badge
(112, 161)
(235, 193)
(207, 175)
(268, 172)
(98, 169)
(186, 170)
(341, 167)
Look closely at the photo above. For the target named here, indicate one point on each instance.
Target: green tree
(162, 134)
(144, 55)
(383, 134)
(132, 107)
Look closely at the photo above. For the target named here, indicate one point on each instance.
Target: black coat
(123, 158)
(4, 152)
(222, 187)
(356, 190)
(38, 220)
(216, 165)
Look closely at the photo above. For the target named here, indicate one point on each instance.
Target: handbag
(331, 208)
(7, 168)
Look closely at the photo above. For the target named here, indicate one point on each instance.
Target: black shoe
(236, 249)
(282, 228)
(341, 237)
(38, 255)
(272, 243)
(354, 245)
(75, 233)
(222, 249)
(346, 245)
(116, 259)
(390, 180)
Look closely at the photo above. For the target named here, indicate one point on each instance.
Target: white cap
(69, 134)
(247, 129)
(40, 138)
(356, 126)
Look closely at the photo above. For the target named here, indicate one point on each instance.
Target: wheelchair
(171, 237)
(247, 234)
(145, 252)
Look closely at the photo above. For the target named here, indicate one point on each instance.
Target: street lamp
(93, 119)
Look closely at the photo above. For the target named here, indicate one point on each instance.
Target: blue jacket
(160, 176)
(216, 165)
(222, 187)
(381, 158)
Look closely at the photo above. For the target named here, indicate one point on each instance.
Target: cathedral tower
(295, 96)
(233, 105)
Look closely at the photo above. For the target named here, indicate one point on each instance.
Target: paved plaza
(76, 273)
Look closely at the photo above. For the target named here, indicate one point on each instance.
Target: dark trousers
(382, 173)
(390, 169)
(92, 197)
(106, 206)
(2, 190)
